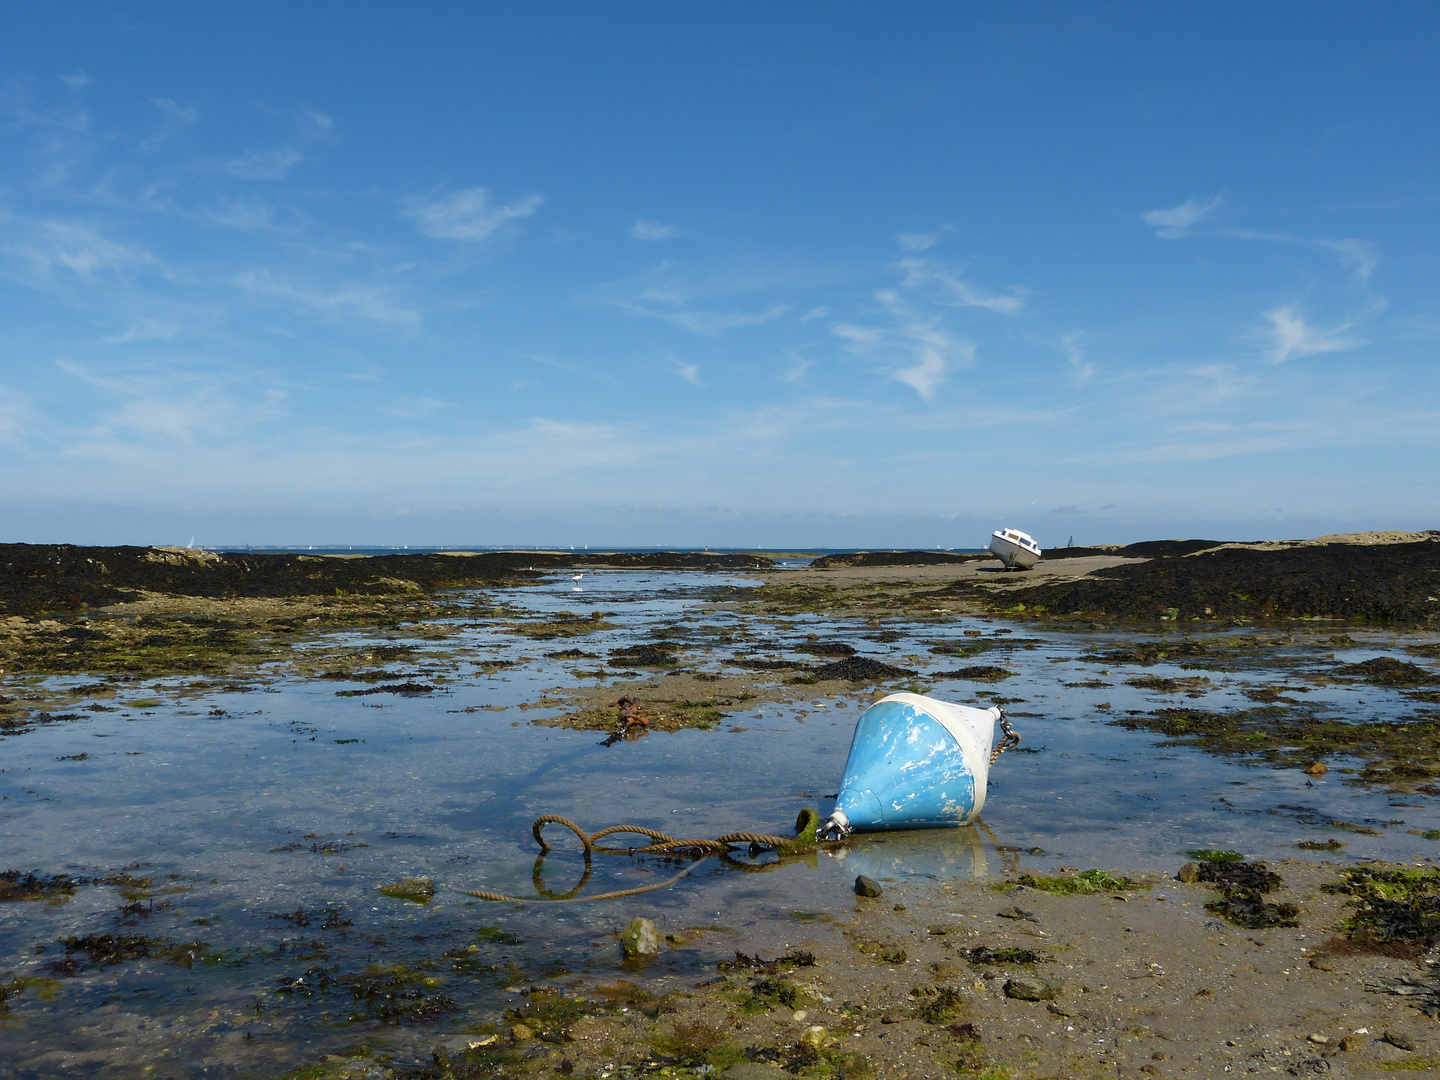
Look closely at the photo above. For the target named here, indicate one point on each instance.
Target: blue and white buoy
(916, 763)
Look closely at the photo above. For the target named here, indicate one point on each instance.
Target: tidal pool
(227, 848)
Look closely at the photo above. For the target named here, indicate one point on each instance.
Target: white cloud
(368, 303)
(174, 111)
(689, 372)
(54, 245)
(244, 216)
(926, 374)
(466, 214)
(1177, 222)
(917, 242)
(1294, 337)
(653, 230)
(799, 365)
(78, 81)
(1076, 355)
(921, 339)
(947, 287)
(314, 122)
(145, 330)
(967, 296)
(821, 312)
(267, 165)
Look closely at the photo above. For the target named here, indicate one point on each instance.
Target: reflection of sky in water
(253, 812)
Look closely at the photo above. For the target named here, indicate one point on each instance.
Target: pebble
(1189, 873)
(1322, 963)
(1317, 1039)
(1398, 1039)
(1025, 988)
(867, 886)
(815, 1038)
(520, 1032)
(800, 1016)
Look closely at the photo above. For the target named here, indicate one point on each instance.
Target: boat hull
(916, 763)
(1012, 553)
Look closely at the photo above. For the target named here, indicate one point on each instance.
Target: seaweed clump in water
(107, 950)
(31, 886)
(393, 994)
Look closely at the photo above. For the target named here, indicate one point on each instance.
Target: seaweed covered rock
(861, 669)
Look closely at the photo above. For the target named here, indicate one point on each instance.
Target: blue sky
(728, 274)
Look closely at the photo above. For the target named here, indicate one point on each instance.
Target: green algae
(1395, 752)
(1215, 855)
(1085, 883)
(1390, 905)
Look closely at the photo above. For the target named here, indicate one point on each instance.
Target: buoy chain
(1010, 740)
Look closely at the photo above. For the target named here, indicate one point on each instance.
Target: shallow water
(266, 819)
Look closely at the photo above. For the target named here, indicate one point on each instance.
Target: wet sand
(1145, 982)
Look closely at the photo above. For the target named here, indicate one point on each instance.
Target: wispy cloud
(653, 230)
(185, 115)
(688, 371)
(77, 81)
(50, 247)
(799, 365)
(266, 165)
(1294, 337)
(667, 296)
(1084, 369)
(1360, 257)
(466, 214)
(931, 350)
(144, 330)
(169, 404)
(245, 216)
(945, 286)
(366, 302)
(1177, 222)
(917, 242)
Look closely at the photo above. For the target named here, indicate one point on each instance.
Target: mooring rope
(664, 844)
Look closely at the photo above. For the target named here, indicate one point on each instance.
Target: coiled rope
(664, 844)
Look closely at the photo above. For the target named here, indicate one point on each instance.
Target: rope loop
(546, 819)
(662, 844)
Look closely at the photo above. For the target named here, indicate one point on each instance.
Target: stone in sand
(867, 886)
(1024, 988)
(640, 939)
(419, 889)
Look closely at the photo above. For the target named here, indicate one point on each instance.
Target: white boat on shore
(1015, 548)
